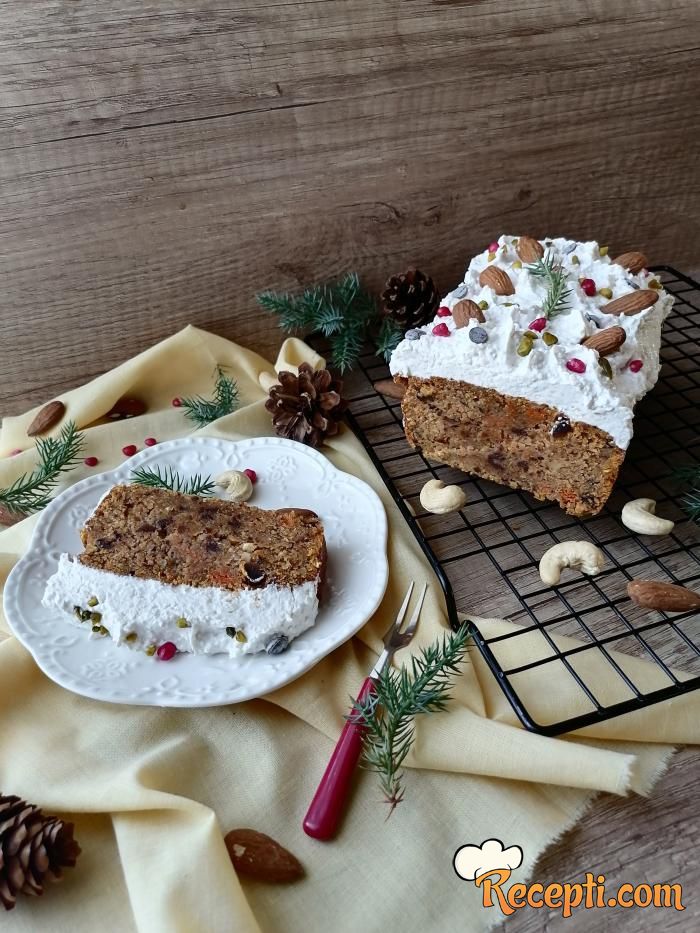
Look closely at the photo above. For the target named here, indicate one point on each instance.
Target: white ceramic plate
(289, 474)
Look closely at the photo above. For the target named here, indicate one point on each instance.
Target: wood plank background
(160, 163)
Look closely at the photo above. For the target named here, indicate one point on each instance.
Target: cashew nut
(639, 515)
(437, 498)
(579, 555)
(238, 486)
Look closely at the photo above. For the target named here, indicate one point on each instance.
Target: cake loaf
(530, 372)
(205, 575)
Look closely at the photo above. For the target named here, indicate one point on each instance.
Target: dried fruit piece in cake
(154, 559)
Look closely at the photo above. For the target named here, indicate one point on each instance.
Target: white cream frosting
(150, 610)
(542, 376)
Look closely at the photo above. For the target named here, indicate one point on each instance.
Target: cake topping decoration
(252, 475)
(441, 330)
(443, 311)
(166, 651)
(414, 334)
(635, 365)
(466, 311)
(550, 339)
(632, 303)
(606, 367)
(633, 261)
(493, 246)
(277, 644)
(478, 335)
(529, 249)
(538, 324)
(576, 365)
(561, 426)
(525, 345)
(606, 341)
(605, 292)
(558, 293)
(588, 287)
(496, 278)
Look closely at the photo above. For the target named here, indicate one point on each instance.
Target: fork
(322, 818)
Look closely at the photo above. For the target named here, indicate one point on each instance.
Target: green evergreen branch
(401, 695)
(197, 485)
(342, 311)
(388, 338)
(558, 294)
(32, 491)
(690, 474)
(203, 411)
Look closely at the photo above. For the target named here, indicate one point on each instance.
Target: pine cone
(410, 299)
(307, 407)
(33, 849)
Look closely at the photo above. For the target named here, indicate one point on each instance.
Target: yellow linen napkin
(152, 790)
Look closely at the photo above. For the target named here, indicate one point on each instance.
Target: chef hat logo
(472, 861)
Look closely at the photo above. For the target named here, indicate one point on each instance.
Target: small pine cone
(410, 299)
(33, 849)
(307, 407)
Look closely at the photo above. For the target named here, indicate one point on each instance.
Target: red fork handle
(323, 816)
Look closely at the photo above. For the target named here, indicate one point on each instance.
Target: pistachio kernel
(230, 631)
(654, 283)
(240, 636)
(85, 615)
(606, 367)
(98, 629)
(531, 334)
(550, 339)
(132, 636)
(517, 264)
(78, 613)
(182, 622)
(151, 650)
(605, 292)
(525, 346)
(93, 601)
(492, 256)
(483, 304)
(507, 304)
(575, 261)
(603, 250)
(95, 616)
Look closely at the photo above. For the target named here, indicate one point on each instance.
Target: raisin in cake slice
(500, 386)
(208, 575)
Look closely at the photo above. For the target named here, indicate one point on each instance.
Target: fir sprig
(690, 474)
(388, 715)
(342, 311)
(202, 411)
(196, 485)
(32, 491)
(558, 294)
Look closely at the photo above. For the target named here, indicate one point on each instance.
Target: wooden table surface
(162, 163)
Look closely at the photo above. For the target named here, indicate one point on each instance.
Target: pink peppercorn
(176, 402)
(589, 288)
(150, 442)
(538, 324)
(166, 651)
(129, 450)
(635, 365)
(443, 311)
(576, 366)
(493, 247)
(91, 461)
(441, 330)
(252, 476)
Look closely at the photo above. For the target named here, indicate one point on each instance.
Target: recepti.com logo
(490, 866)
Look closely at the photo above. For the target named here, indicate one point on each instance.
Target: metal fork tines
(396, 637)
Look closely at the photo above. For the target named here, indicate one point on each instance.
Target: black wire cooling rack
(486, 555)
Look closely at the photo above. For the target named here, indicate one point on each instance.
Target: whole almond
(665, 596)
(46, 418)
(465, 311)
(390, 389)
(634, 261)
(8, 517)
(494, 277)
(632, 303)
(259, 856)
(606, 341)
(529, 249)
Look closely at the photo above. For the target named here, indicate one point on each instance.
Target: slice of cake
(530, 372)
(205, 575)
